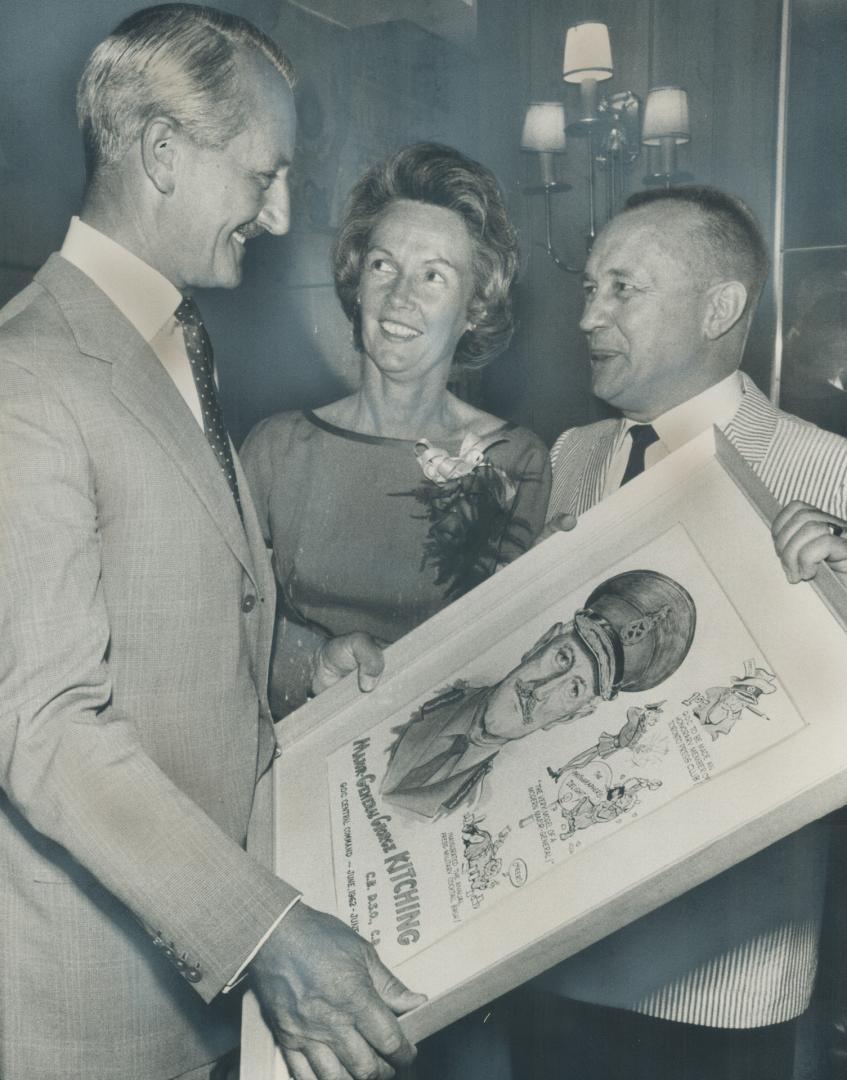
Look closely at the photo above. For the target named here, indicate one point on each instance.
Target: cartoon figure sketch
(719, 708)
(619, 800)
(634, 631)
(650, 749)
(637, 721)
(480, 853)
(479, 843)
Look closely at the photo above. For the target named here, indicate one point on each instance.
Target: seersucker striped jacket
(792, 458)
(741, 950)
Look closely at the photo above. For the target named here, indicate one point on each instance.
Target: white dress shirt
(142, 295)
(677, 426)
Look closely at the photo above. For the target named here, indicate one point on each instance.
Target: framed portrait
(621, 714)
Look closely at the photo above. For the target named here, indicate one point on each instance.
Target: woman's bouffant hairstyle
(440, 176)
(174, 60)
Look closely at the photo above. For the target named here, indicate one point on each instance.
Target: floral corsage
(469, 503)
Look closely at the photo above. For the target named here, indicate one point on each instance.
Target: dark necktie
(642, 435)
(199, 349)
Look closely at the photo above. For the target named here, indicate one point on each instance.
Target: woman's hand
(338, 656)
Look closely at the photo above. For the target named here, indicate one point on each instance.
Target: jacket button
(248, 603)
(192, 974)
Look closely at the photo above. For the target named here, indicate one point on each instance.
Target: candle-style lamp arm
(548, 219)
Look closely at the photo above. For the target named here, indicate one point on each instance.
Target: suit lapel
(597, 455)
(144, 387)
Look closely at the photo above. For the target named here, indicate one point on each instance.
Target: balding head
(722, 239)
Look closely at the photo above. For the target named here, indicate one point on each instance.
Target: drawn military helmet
(639, 626)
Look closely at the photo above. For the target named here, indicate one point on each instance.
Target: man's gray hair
(180, 61)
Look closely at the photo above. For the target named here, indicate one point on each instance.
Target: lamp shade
(588, 53)
(544, 127)
(666, 116)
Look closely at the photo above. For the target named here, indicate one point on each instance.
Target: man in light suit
(137, 607)
(710, 984)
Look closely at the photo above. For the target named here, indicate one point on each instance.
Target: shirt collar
(716, 405)
(141, 294)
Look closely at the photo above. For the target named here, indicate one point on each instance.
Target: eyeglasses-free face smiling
(416, 285)
(227, 196)
(643, 317)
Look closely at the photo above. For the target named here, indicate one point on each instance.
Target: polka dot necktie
(642, 435)
(199, 349)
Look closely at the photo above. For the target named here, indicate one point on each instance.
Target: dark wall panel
(816, 165)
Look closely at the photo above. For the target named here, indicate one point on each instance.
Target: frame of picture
(707, 496)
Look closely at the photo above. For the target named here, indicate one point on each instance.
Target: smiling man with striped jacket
(709, 985)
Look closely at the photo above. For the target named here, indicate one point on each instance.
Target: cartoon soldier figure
(633, 633)
(637, 719)
(724, 705)
(619, 799)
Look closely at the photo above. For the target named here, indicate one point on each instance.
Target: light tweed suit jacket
(135, 618)
(740, 950)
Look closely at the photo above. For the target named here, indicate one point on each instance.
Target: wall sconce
(666, 126)
(544, 134)
(610, 126)
(588, 61)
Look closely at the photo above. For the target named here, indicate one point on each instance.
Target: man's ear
(159, 152)
(725, 304)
